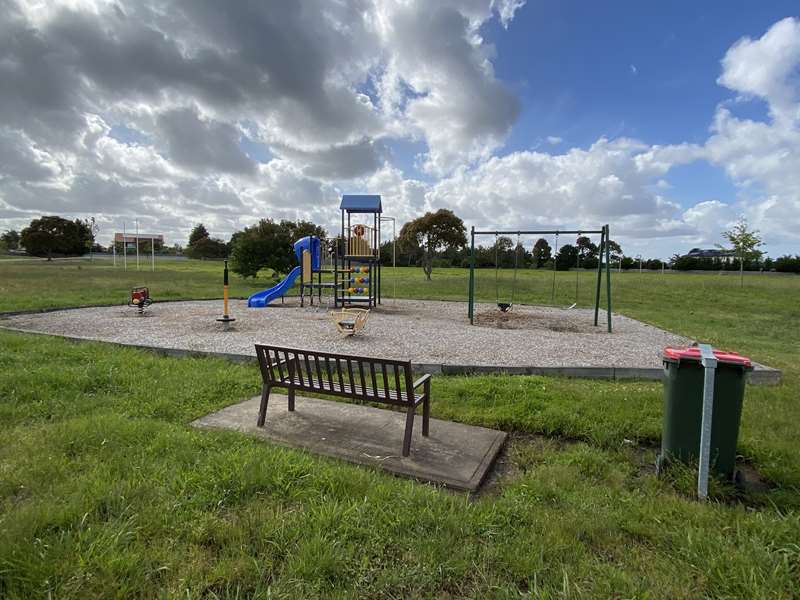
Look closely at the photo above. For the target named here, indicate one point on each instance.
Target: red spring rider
(140, 299)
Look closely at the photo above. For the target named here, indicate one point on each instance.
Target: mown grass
(38, 284)
(106, 491)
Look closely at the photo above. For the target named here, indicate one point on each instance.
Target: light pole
(137, 244)
(394, 257)
(94, 229)
(124, 247)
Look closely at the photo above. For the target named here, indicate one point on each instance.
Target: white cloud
(322, 85)
(554, 140)
(763, 157)
(768, 68)
(609, 182)
(440, 82)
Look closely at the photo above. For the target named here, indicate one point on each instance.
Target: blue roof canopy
(361, 203)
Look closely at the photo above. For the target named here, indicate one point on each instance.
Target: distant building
(130, 240)
(712, 253)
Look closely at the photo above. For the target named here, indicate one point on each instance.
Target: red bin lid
(693, 353)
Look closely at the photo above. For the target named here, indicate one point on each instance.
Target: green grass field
(106, 491)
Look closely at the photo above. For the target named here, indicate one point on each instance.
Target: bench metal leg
(291, 399)
(426, 409)
(262, 411)
(409, 430)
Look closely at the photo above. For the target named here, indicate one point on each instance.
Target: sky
(668, 121)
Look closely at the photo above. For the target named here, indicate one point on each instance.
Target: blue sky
(572, 63)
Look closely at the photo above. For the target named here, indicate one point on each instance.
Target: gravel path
(421, 331)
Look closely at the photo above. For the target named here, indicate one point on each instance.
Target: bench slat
(361, 374)
(328, 370)
(350, 371)
(397, 386)
(339, 371)
(374, 379)
(385, 374)
(334, 355)
(319, 371)
(309, 374)
(280, 365)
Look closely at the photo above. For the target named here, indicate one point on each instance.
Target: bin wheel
(739, 480)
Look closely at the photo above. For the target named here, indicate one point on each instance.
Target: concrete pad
(455, 455)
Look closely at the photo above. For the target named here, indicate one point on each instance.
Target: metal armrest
(421, 380)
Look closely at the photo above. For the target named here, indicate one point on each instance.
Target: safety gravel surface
(427, 332)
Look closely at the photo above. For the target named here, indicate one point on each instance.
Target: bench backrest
(359, 377)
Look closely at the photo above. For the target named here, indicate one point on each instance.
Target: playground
(425, 332)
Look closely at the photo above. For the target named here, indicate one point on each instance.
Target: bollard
(226, 319)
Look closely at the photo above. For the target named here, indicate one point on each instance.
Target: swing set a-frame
(603, 264)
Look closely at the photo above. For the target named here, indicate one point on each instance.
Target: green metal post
(472, 276)
(608, 275)
(599, 276)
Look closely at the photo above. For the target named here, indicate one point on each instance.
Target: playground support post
(608, 275)
(604, 256)
(472, 276)
(599, 278)
(153, 254)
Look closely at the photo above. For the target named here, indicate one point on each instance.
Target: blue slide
(264, 297)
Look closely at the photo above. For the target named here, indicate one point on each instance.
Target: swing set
(603, 263)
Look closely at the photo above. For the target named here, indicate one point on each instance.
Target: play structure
(348, 268)
(603, 263)
(140, 299)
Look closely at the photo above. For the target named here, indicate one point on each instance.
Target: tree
(788, 264)
(265, 244)
(614, 250)
(503, 252)
(567, 257)
(434, 232)
(542, 252)
(744, 244)
(54, 235)
(201, 245)
(627, 263)
(301, 229)
(198, 233)
(207, 248)
(11, 239)
(586, 248)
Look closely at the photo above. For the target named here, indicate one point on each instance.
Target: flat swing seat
(350, 321)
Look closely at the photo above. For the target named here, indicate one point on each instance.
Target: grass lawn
(105, 490)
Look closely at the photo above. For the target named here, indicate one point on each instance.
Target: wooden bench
(354, 377)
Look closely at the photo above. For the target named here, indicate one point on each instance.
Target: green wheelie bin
(683, 407)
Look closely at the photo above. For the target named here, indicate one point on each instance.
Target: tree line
(436, 239)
